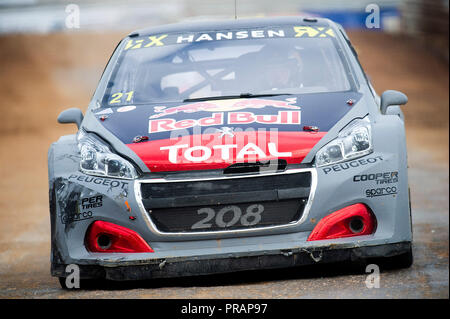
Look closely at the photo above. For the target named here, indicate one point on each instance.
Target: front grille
(226, 204)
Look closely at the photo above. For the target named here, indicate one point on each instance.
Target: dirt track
(42, 75)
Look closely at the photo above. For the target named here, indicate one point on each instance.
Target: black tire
(84, 284)
(404, 260)
(62, 282)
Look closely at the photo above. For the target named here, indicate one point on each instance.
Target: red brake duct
(104, 237)
(354, 220)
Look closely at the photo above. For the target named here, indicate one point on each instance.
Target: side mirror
(391, 97)
(72, 115)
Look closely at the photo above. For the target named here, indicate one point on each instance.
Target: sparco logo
(382, 191)
(68, 218)
(379, 178)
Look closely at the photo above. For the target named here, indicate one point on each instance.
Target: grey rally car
(216, 147)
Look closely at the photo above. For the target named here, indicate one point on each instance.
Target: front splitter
(227, 263)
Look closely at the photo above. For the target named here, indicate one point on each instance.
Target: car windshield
(177, 67)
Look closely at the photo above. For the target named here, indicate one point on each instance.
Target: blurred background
(49, 63)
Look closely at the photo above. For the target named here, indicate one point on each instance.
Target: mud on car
(225, 146)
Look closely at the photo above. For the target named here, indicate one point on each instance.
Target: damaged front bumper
(77, 200)
(227, 263)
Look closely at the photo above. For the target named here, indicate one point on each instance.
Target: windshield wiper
(227, 97)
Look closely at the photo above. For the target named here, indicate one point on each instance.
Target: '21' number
(117, 97)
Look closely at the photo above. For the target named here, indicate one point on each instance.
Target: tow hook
(162, 264)
(316, 258)
(287, 253)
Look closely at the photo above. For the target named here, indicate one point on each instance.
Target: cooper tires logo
(379, 178)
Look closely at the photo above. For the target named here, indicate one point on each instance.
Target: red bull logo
(225, 106)
(234, 118)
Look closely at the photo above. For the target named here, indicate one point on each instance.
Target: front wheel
(404, 260)
(84, 284)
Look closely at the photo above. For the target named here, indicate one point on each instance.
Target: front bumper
(224, 263)
(181, 254)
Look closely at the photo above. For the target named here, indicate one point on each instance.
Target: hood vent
(256, 167)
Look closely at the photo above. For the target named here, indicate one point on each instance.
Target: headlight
(98, 159)
(355, 140)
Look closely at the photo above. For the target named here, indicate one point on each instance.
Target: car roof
(217, 25)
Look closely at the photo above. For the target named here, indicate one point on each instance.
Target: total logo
(221, 152)
(233, 118)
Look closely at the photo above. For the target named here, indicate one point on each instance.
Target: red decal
(216, 119)
(184, 124)
(161, 125)
(198, 152)
(164, 125)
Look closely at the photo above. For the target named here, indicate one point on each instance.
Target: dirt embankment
(394, 62)
(41, 75)
(398, 63)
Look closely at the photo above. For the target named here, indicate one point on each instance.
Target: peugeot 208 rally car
(230, 146)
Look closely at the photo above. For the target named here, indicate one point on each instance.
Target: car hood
(214, 134)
